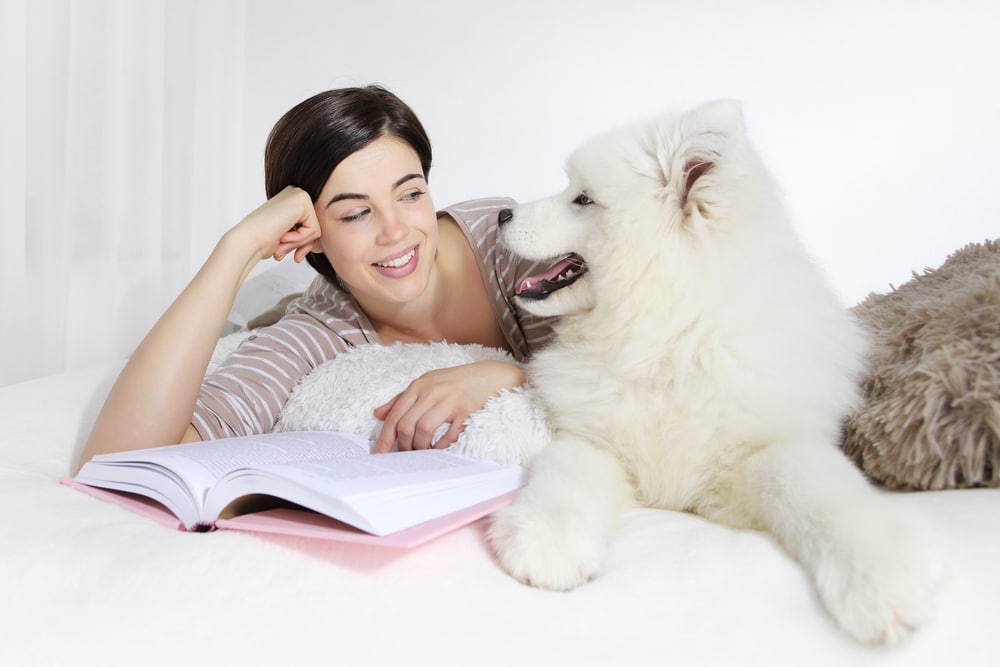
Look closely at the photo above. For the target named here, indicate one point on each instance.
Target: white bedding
(85, 582)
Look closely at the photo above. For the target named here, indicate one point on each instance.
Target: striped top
(246, 393)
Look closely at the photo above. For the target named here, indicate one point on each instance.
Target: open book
(326, 472)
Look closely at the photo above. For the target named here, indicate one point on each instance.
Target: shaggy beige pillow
(931, 417)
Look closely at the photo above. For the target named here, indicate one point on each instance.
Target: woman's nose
(391, 227)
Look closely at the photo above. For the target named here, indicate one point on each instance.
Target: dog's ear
(721, 116)
(702, 134)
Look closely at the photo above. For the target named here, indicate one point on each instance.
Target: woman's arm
(444, 395)
(152, 402)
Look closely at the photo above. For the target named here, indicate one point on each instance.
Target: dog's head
(644, 197)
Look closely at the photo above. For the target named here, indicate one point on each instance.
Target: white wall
(881, 119)
(131, 133)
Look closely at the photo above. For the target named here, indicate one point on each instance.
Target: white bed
(86, 582)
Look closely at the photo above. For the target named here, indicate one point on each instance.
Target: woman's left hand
(444, 395)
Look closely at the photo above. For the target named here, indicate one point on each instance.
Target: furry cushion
(341, 394)
(931, 416)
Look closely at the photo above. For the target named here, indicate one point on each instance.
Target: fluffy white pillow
(341, 395)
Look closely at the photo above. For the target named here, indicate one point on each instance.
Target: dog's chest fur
(635, 400)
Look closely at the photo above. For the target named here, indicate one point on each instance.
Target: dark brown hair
(314, 136)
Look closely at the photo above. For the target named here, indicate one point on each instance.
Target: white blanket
(85, 582)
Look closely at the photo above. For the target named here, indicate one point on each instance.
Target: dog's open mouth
(563, 273)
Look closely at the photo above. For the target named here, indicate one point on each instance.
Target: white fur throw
(341, 395)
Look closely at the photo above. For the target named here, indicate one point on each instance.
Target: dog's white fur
(704, 365)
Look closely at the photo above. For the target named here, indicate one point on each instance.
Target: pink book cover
(303, 523)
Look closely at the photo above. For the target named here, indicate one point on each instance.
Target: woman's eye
(583, 200)
(355, 216)
(413, 195)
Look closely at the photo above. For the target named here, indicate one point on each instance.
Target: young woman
(346, 178)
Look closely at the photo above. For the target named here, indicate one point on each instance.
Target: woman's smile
(379, 228)
(400, 264)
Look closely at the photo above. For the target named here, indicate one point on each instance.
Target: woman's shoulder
(478, 218)
(326, 297)
(326, 305)
(475, 209)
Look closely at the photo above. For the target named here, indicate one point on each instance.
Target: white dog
(702, 364)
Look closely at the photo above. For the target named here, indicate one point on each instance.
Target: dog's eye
(583, 200)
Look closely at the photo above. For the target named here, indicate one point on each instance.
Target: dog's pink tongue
(553, 274)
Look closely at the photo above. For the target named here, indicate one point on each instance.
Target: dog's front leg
(555, 533)
(876, 568)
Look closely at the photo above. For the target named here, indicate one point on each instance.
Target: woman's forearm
(152, 402)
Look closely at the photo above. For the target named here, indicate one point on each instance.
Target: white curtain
(120, 128)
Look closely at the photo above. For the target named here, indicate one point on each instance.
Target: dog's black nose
(505, 215)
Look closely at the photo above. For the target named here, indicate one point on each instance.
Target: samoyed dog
(701, 364)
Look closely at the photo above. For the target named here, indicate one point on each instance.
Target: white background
(881, 120)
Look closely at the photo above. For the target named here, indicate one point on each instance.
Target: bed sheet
(86, 582)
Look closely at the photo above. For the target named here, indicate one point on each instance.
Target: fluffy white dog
(702, 364)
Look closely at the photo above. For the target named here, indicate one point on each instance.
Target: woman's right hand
(285, 223)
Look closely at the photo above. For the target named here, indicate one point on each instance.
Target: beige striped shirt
(246, 393)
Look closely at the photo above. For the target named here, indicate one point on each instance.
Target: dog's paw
(512, 427)
(544, 550)
(884, 585)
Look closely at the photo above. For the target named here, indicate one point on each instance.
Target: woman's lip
(391, 258)
(404, 269)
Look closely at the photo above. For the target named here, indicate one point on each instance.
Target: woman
(346, 179)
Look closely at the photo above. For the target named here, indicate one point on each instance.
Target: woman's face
(378, 224)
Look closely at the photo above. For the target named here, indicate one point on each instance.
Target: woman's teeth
(398, 262)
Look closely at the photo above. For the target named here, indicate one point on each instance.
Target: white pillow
(266, 287)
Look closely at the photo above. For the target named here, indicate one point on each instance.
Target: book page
(181, 475)
(377, 465)
(219, 457)
(379, 493)
(203, 463)
(386, 474)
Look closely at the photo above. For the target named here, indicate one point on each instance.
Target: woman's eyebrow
(354, 195)
(406, 178)
(345, 195)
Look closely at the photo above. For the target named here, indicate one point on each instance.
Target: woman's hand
(285, 223)
(444, 395)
